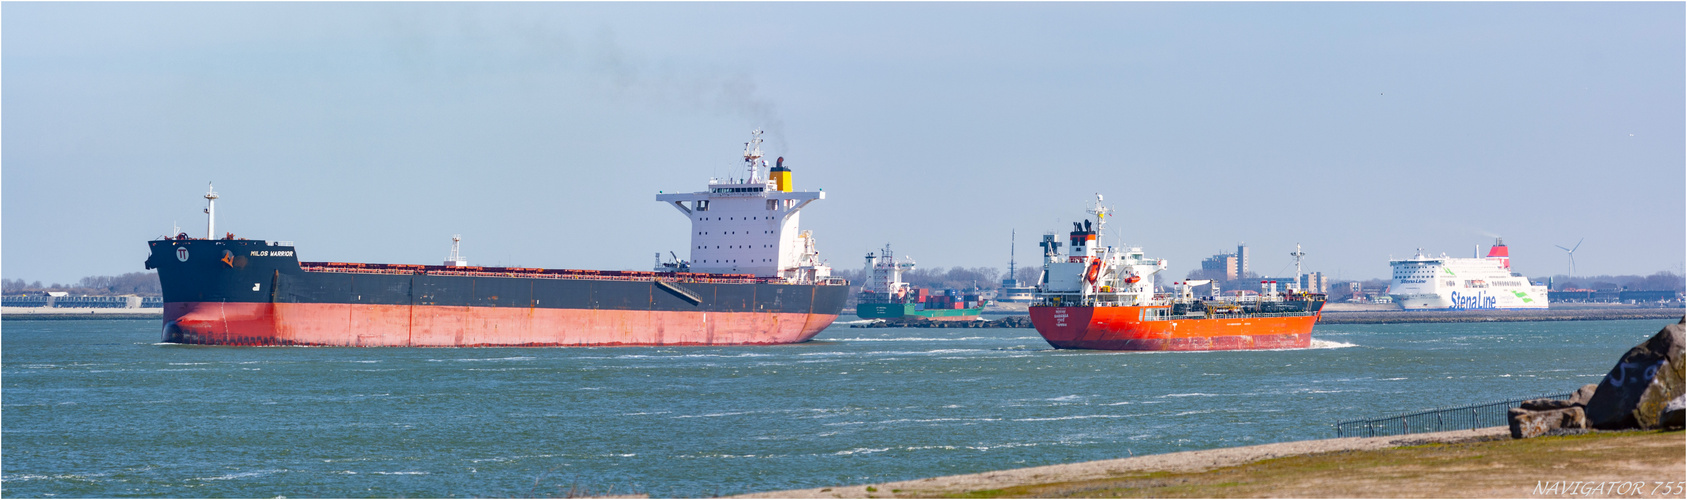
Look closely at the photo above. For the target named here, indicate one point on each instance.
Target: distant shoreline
(78, 313)
(1384, 314)
(1484, 316)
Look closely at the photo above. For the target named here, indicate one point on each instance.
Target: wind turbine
(1572, 253)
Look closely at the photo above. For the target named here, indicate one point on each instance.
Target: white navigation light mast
(1297, 254)
(210, 212)
(456, 259)
(1101, 213)
(752, 153)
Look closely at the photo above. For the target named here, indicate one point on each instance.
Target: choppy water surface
(100, 409)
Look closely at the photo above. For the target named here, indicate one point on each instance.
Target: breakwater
(1008, 322)
(1490, 315)
(79, 313)
(1366, 317)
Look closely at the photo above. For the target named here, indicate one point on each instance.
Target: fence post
(1438, 423)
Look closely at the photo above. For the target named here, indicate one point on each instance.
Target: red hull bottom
(1121, 329)
(361, 325)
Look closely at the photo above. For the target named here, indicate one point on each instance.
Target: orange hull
(366, 325)
(1122, 329)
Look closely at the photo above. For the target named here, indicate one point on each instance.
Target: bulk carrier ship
(1097, 297)
(753, 278)
(885, 296)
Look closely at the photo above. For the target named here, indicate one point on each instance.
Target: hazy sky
(372, 132)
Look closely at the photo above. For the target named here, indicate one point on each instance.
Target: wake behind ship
(753, 278)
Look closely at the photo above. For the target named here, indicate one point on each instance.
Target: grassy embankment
(1487, 469)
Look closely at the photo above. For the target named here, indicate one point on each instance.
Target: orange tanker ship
(1097, 297)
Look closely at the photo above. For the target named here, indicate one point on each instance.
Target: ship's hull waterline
(369, 325)
(1122, 329)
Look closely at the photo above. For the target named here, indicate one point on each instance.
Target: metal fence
(1445, 419)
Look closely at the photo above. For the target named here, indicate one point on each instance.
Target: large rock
(1577, 399)
(1580, 397)
(1635, 391)
(1674, 415)
(1528, 424)
(1667, 385)
(1546, 404)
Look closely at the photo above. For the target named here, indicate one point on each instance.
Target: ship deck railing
(518, 272)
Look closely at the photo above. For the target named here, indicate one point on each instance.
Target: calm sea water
(100, 409)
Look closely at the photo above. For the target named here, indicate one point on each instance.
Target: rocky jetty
(1008, 322)
(1643, 391)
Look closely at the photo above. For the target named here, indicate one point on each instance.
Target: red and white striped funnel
(1498, 251)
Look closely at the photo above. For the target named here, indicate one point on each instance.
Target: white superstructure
(1094, 275)
(749, 225)
(884, 277)
(1424, 282)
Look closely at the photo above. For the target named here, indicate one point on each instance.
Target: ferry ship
(1424, 282)
(885, 296)
(754, 278)
(1101, 297)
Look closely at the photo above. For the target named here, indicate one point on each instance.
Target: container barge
(885, 296)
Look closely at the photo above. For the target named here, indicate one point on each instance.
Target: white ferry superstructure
(1424, 282)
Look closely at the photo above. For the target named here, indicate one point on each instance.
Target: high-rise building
(1242, 268)
(1314, 282)
(1220, 265)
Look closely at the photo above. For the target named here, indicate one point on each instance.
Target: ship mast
(1297, 254)
(752, 153)
(1012, 238)
(1101, 213)
(456, 259)
(210, 212)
